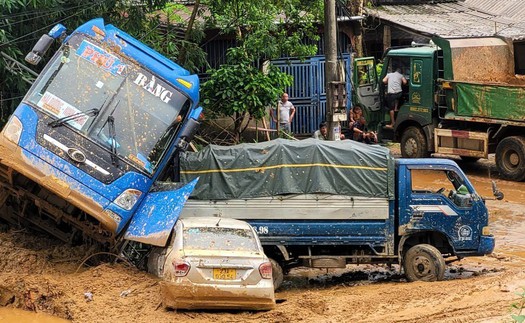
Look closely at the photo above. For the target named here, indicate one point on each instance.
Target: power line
(6, 24)
(43, 28)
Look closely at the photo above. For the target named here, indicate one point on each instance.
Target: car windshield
(219, 238)
(114, 102)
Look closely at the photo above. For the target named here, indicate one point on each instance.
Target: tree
(264, 30)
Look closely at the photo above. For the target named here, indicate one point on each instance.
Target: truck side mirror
(496, 192)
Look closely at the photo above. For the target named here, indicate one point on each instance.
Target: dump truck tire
(277, 273)
(424, 262)
(510, 158)
(413, 143)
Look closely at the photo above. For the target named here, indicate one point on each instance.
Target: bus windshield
(113, 101)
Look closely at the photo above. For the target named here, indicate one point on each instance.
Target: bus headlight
(13, 129)
(485, 231)
(128, 198)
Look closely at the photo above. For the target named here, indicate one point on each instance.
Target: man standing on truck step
(286, 114)
(395, 81)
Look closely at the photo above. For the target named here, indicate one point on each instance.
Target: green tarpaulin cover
(290, 167)
(491, 101)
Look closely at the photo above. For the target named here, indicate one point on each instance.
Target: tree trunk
(359, 38)
(187, 34)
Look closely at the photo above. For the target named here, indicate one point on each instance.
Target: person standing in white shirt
(286, 114)
(395, 81)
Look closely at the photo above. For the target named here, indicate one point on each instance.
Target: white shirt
(284, 111)
(395, 81)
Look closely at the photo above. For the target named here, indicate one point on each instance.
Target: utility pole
(335, 90)
(330, 52)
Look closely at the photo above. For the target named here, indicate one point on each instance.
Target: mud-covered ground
(41, 274)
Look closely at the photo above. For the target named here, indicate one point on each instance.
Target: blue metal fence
(308, 93)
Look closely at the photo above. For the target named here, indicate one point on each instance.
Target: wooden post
(387, 38)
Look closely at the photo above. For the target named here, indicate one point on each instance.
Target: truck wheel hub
(514, 159)
(422, 265)
(411, 146)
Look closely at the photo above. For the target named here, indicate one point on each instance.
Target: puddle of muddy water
(20, 316)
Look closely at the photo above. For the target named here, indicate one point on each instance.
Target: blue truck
(327, 204)
(86, 154)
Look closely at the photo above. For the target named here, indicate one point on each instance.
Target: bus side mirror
(35, 56)
(187, 134)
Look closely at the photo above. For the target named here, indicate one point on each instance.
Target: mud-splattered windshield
(219, 238)
(117, 104)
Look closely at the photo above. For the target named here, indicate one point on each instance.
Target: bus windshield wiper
(113, 140)
(61, 121)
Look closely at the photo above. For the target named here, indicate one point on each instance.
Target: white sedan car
(214, 263)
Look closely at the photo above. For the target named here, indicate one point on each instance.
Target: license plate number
(224, 273)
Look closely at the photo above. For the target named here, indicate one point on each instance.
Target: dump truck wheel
(277, 273)
(424, 262)
(510, 158)
(413, 143)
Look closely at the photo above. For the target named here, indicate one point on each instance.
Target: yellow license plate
(224, 273)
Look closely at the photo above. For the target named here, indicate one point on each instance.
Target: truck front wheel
(510, 158)
(277, 273)
(425, 263)
(413, 143)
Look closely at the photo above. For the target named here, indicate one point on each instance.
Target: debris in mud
(88, 296)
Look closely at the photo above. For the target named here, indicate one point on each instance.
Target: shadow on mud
(301, 278)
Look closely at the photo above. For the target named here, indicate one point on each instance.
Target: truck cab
(414, 123)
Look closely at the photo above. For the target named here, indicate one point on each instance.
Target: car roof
(200, 222)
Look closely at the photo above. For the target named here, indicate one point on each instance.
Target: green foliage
(518, 307)
(264, 30)
(239, 89)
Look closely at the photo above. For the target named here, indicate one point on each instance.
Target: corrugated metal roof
(469, 18)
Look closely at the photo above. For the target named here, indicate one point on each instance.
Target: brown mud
(40, 274)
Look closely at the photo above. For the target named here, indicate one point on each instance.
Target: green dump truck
(462, 98)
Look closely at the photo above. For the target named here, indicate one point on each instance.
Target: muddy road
(42, 275)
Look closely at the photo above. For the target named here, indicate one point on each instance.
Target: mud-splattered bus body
(83, 156)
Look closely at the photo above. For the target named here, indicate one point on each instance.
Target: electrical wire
(11, 99)
(12, 41)
(56, 10)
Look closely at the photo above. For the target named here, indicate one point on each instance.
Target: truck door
(438, 200)
(365, 84)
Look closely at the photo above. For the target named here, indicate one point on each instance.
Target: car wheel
(424, 262)
(277, 273)
(510, 158)
(413, 143)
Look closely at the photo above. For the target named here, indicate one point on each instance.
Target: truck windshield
(137, 114)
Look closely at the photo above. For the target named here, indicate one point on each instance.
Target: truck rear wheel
(413, 143)
(277, 273)
(424, 262)
(510, 158)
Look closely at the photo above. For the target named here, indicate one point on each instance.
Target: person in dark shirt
(359, 130)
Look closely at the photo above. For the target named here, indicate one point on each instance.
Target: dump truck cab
(417, 103)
